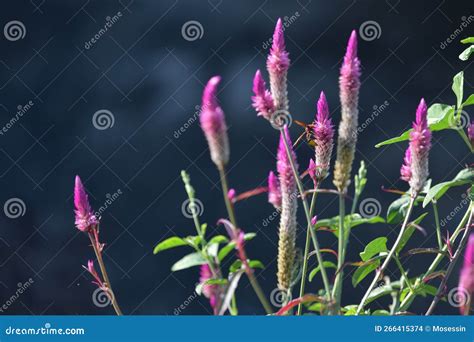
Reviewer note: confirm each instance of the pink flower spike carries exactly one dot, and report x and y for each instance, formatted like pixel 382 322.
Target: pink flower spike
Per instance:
pixel 323 138
pixel 278 63
pixel 312 170
pixel 85 218
pixel 314 220
pixel 466 279
pixel 91 269
pixel 209 291
pixel 405 170
pixel 420 144
pixel 274 191
pixel 350 75
pixel 231 195
pixel 470 134
pixel 213 124
pixel 262 101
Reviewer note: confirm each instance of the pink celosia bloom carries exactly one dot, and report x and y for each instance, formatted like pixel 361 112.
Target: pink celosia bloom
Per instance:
pixel 466 279
pixel 287 230
pixel 470 133
pixel 231 195
pixel 213 124
pixel 262 101
pixel 405 170
pixel 277 66
pixel 323 138
pixel 420 144
pixel 91 269
pixel 274 191
pixel 312 170
pixel 314 220
pixel 211 292
pixel 85 218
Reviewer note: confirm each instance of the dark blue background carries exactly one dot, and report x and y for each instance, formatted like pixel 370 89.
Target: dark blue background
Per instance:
pixel 151 79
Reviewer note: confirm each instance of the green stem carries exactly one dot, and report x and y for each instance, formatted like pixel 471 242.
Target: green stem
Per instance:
pixel 103 270
pixel 390 255
pixel 438 228
pixel 465 139
pixel 225 191
pixel 306 252
pixel 432 268
pixel 258 290
pixel 337 291
pixel 308 216
pixel 402 271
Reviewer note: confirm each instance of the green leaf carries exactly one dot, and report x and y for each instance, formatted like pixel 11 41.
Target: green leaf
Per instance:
pixel 193 240
pixel 439 118
pixel 383 290
pixel 409 232
pixel 218 239
pixel 190 260
pixel 237 265
pixel 376 246
pixel 363 271
pixel 469 101
pixel 380 312
pixel 464 56
pixel 458 87
pixel 350 221
pixel 203 229
pixel 465 176
pixel 256 264
pixel 231 245
pixel 327 264
pixel 398 209
pixel 215 281
pixel 212 249
pixel 171 242
pixel 468 40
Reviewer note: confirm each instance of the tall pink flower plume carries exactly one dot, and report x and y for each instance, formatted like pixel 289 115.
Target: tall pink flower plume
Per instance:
pixel 466 279
pixel 262 101
pixel 323 138
pixel 85 218
pixel 213 124
pixel 287 230
pixel 274 191
pixel 405 170
pixel 470 134
pixel 312 170
pixel 278 63
pixel 420 144
pixel 349 85
pixel 209 291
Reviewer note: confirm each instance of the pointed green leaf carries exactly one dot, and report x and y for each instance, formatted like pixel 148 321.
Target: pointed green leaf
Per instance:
pixel 464 56
pixel 458 87
pixel 469 101
pixel 256 264
pixel 374 248
pixel 409 232
pixel 218 239
pixel 465 176
pixel 350 221
pixel 327 264
pixel 231 245
pixel 171 242
pixel 363 271
pixel 398 209
pixel 468 40
pixel 190 260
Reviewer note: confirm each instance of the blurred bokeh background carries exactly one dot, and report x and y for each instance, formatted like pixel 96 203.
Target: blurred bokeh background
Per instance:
pixel 148 77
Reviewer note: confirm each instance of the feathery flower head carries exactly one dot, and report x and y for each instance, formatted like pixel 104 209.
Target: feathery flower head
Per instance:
pixel 405 170
pixel 274 191
pixel 209 291
pixel 420 144
pixel 323 138
pixel 213 124
pixel 85 218
pixel 262 101
pixel 278 63
pixel 466 279
pixel 349 84
pixel 287 230
pixel 470 134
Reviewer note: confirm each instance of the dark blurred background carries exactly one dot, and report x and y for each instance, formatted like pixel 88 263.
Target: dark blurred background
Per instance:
pixel 149 77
